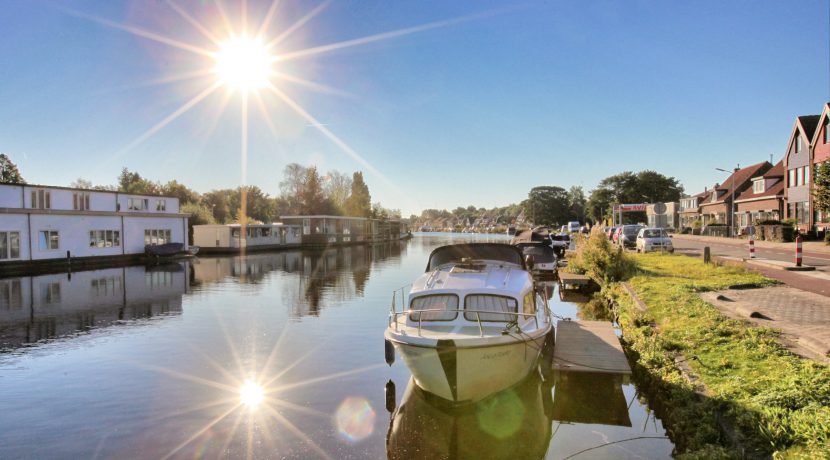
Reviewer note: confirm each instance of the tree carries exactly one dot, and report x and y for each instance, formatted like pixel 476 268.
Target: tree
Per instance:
pixel 292 183
pixel 337 188
pixel 81 183
pixel 180 191
pixel 311 198
pixel 548 205
pixel 359 203
pixel 576 203
pixel 8 171
pixel 132 182
pixel 821 191
pixel 218 201
pixel 198 214
pixel 258 206
pixel 627 187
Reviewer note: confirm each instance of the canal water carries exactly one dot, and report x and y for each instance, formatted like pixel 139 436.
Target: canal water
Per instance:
pixel 276 355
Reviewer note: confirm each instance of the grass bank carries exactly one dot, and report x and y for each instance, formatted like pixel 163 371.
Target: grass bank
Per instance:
pixel 758 395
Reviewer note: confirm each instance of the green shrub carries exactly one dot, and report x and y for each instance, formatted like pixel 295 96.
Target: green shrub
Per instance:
pixel 597 258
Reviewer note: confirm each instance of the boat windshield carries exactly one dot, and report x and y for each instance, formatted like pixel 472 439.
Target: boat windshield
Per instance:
pixel 475 251
pixel 541 253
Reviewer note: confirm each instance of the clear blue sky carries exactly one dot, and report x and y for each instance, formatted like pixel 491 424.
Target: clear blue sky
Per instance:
pixel 476 112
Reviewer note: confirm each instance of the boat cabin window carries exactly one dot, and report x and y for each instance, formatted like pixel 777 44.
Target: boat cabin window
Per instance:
pixel 437 303
pixel 530 303
pixel 481 304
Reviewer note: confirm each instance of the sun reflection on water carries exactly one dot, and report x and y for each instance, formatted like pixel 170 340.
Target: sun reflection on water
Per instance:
pixel 251 394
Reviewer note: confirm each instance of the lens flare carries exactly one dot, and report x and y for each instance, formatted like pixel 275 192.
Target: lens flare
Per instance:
pixel 355 419
pixel 243 63
pixel 251 394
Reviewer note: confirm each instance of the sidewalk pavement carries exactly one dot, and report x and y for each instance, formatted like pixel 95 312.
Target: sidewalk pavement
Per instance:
pixel 818 247
pixel 802 317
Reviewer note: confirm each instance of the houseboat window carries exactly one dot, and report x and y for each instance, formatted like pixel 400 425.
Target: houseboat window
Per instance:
pixel 235 233
pixel 138 204
pixel 41 199
pixel 483 303
pixel 161 205
pixel 434 302
pixel 11 295
pixel 49 240
pixel 9 245
pixel 105 238
pixel 154 237
pixel 80 201
pixel 530 303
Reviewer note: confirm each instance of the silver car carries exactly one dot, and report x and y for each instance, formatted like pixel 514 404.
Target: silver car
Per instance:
pixel 654 239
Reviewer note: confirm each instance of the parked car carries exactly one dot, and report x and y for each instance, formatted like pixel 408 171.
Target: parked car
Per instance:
pixel 560 243
pixel 609 232
pixel 615 237
pixel 654 239
pixel 573 226
pixel 627 237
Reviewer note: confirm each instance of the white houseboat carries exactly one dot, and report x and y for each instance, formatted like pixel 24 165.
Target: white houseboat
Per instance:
pixel 336 230
pixel 217 238
pixel 47 224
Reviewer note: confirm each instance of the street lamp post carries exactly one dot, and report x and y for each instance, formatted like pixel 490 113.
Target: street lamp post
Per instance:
pixel 731 203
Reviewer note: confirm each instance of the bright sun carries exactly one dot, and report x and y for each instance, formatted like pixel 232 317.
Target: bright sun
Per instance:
pixel 244 64
pixel 251 394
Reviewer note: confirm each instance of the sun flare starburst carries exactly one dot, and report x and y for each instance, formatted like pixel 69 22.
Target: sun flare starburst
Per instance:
pixel 251 394
pixel 244 64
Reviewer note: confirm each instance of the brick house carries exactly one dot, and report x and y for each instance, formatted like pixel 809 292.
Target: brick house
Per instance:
pixel 798 163
pixel 764 200
pixel 690 208
pixel 821 153
pixel 717 208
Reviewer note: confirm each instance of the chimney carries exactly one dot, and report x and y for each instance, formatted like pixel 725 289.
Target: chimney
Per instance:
pixel 705 189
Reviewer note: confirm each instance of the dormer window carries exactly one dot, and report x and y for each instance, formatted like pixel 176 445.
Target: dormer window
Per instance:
pixel 758 186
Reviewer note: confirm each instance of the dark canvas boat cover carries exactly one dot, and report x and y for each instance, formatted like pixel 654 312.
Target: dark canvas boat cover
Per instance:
pixel 475 251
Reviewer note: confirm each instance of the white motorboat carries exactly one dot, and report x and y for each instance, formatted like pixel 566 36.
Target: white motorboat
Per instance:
pixel 473 324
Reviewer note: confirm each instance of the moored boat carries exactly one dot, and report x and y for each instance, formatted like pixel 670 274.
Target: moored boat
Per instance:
pixel 474 323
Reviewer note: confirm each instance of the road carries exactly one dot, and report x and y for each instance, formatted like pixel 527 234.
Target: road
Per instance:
pixel 817 282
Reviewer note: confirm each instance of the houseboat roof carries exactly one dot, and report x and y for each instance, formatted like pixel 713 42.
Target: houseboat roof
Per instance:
pixel 321 216
pixel 61 187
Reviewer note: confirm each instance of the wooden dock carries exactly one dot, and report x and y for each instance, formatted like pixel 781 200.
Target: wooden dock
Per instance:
pixel 588 346
pixel 573 281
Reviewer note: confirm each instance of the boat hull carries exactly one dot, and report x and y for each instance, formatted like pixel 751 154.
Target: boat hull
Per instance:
pixel 459 373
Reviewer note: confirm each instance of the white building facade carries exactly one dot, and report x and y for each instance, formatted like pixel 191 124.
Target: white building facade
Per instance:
pixel 39 223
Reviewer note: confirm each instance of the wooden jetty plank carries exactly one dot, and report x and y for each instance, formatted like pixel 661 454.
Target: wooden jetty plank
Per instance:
pixel 588 346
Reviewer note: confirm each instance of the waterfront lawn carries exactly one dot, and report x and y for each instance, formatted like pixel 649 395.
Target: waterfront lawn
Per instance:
pixel 767 400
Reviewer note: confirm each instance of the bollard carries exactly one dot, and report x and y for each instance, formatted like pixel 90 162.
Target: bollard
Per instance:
pixel 751 247
pixel 706 255
pixel 798 251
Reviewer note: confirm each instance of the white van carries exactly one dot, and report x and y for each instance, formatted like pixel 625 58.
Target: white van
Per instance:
pixel 573 226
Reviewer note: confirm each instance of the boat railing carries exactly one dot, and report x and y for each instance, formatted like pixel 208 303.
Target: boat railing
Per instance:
pixel 393 316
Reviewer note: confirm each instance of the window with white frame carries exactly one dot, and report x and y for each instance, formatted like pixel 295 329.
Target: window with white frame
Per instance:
pixel 9 245
pixel 161 205
pixel 48 240
pixel 799 180
pixel 104 238
pixel 806 174
pixel 826 129
pixel 138 204
pixel 80 201
pixel 758 186
pixel 791 178
pixel 156 236
pixel 41 199
pixel 797 142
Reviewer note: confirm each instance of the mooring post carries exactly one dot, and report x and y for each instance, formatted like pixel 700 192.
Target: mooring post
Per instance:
pixel 707 256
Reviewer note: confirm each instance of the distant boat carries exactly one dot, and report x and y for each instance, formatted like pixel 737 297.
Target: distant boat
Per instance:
pixel 193 250
pixel 164 250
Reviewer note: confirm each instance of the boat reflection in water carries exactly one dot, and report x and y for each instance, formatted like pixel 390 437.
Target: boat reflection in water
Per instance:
pixel 512 424
pixel 37 308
